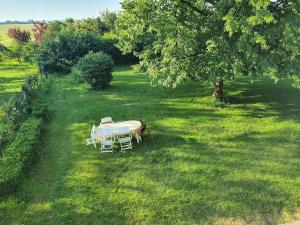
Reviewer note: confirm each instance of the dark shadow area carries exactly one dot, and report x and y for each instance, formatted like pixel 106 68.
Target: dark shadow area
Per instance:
pixel 279 99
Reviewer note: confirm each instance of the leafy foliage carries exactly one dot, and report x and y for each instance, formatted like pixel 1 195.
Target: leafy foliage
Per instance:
pixel 16 52
pixel 109 19
pixel 211 40
pixel 76 76
pixel 60 53
pixel 96 69
pixel 3 48
pixel 19 106
pixel 4 52
pixel 64 44
pixel 6 135
pixel 18 35
pixel 29 52
pixel 39 28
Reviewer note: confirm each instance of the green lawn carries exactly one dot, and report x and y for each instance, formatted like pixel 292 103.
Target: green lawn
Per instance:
pixel 197 165
pixel 12 75
pixel 4 39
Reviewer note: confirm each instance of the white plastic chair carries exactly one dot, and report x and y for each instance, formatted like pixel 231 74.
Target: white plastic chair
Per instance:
pixel 107 140
pixel 125 138
pixel 94 137
pixel 106 120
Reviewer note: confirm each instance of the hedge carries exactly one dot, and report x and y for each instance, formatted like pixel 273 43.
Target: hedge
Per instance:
pixel 19 155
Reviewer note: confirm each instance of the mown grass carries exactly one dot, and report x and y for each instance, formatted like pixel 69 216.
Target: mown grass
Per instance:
pixel 197 165
pixel 4 39
pixel 12 75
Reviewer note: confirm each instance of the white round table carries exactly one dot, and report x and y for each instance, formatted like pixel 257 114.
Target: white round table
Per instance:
pixel 134 127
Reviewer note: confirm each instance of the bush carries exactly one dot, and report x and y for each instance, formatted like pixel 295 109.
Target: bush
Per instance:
pixel 19 154
pixel 63 44
pixel 6 135
pixel 40 110
pixel 16 52
pixel 19 106
pixel 18 35
pixel 15 110
pixel 30 51
pixel 76 76
pixel 60 53
pixel 39 28
pixel 96 69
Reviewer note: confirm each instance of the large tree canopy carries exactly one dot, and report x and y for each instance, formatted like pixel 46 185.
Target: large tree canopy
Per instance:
pixel 212 40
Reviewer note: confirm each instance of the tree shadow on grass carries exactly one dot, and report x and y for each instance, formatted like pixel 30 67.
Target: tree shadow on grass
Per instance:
pixel 280 100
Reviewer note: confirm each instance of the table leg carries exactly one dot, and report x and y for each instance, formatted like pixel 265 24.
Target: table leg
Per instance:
pixel 138 138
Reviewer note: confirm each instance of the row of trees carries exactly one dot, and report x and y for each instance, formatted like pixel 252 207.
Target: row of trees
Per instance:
pixel 27 45
pixel 210 40
pixel 72 47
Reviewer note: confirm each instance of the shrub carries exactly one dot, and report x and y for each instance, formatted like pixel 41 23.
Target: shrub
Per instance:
pixel 63 44
pixel 19 106
pixel 39 28
pixel 15 110
pixel 3 48
pixel 96 69
pixel 19 154
pixel 30 51
pixel 61 53
pixel 6 135
pixel 16 52
pixel 76 76
pixel 4 52
pixel 18 35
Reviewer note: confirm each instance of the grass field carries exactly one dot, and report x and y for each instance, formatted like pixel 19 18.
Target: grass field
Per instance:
pixel 12 75
pixel 4 39
pixel 197 165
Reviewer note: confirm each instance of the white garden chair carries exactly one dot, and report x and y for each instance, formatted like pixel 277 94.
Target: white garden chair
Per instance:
pixel 107 140
pixel 94 137
pixel 106 120
pixel 125 138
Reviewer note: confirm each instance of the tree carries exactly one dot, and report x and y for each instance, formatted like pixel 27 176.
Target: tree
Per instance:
pixel 39 28
pixel 212 40
pixel 3 48
pixel 18 35
pixel 93 25
pixel 61 48
pixel 4 52
pixel 16 52
pixel 109 19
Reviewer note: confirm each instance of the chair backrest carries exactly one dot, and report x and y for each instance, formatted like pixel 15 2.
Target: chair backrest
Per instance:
pixel 106 120
pixel 124 131
pixel 93 131
pixel 97 133
pixel 106 132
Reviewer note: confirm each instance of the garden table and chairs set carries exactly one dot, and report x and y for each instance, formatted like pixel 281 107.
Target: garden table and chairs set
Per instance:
pixel 108 133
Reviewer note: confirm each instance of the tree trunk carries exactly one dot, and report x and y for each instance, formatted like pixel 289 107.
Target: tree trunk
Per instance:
pixel 218 92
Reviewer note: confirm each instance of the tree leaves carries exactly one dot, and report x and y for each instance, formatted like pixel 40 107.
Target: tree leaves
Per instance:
pixel 211 40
